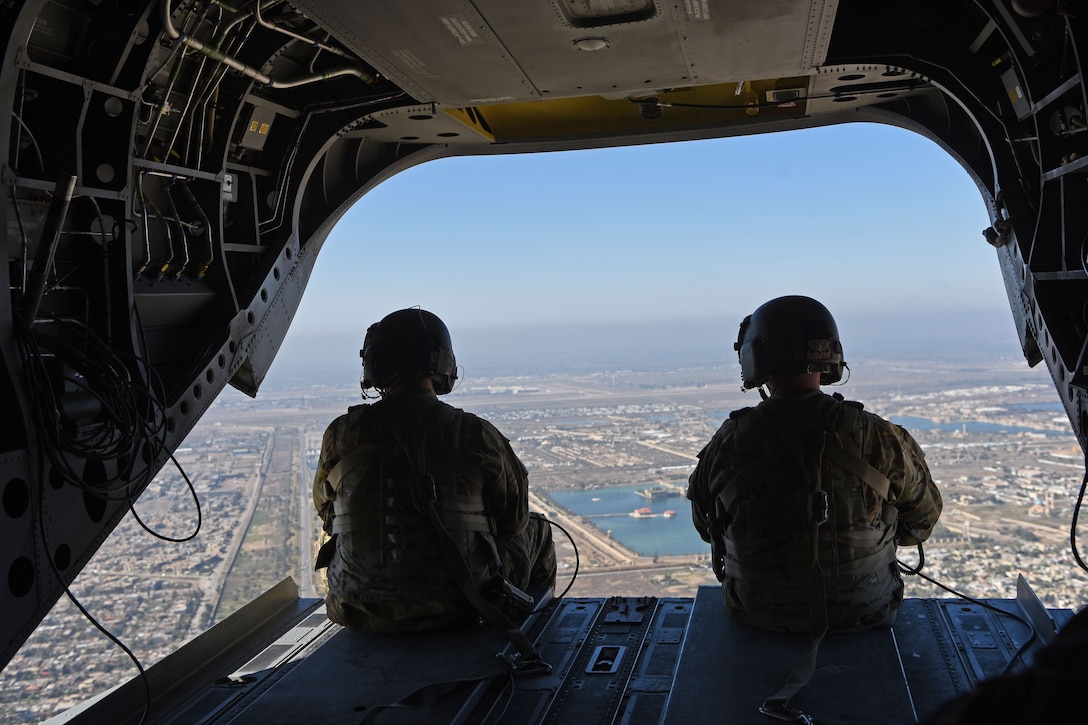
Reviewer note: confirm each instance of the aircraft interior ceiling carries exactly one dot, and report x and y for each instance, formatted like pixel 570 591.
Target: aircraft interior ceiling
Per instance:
pixel 174 166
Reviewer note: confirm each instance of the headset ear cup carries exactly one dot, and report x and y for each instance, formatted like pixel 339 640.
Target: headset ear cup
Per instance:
pixel 369 378
pixel 747 355
pixel 740 334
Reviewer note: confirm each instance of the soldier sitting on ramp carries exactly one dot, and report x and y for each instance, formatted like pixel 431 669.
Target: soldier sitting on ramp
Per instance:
pixel 805 497
pixel 426 504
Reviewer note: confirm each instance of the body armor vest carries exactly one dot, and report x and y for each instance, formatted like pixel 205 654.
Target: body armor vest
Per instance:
pixel 386 548
pixel 805 525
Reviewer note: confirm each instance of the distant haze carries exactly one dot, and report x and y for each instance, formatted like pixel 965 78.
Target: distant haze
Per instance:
pixel 329 359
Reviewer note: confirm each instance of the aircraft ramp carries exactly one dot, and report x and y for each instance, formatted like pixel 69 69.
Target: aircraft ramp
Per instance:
pixel 611 660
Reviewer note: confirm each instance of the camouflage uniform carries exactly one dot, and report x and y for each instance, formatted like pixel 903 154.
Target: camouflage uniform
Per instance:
pixel 386 572
pixel 773 551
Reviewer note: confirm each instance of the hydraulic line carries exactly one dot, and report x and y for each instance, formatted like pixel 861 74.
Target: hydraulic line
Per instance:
pixel 216 55
pixel 285 170
pixel 169 241
pixel 309 41
pixel 169 188
pixel 196 119
pixel 185 110
pixel 147 231
pixel 47 246
pixel 208 95
pixel 174 73
pixel 203 268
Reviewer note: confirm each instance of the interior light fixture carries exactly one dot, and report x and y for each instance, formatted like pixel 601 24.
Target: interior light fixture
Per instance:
pixel 591 43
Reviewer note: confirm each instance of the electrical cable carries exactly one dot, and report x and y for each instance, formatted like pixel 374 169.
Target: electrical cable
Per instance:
pixel 509 688
pixel 88 405
pixel 1076 517
pixel 573 576
pixel 159 414
pixel 196 500
pixel 97 419
pixel 82 609
pixel 118 441
pixel 124 648
pixel 917 571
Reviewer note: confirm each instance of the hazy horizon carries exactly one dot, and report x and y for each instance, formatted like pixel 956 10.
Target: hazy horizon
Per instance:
pixel 964 335
pixel 652 254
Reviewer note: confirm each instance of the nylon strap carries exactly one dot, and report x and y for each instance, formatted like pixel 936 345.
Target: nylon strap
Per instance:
pixel 871 477
pixel 426 695
pixel 777 704
pixel 413 445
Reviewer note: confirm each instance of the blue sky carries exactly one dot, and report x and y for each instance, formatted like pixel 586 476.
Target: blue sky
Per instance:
pixel 877 222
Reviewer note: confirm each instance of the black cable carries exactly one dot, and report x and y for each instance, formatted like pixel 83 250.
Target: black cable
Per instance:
pixel 917 571
pixel 113 638
pixel 508 689
pixel 153 379
pixel 906 568
pixel 1076 516
pixel 83 610
pixel 101 443
pixel 128 423
pixel 196 500
pixel 573 576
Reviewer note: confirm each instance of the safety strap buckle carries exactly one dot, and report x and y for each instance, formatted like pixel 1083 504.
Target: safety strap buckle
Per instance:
pixel 521 667
pixel 779 711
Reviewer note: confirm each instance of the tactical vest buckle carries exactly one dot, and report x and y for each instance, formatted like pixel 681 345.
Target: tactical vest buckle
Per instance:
pixel 821 507
pixel 424 492
pixel 508 598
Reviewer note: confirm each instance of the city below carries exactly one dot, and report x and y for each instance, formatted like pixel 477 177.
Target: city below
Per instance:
pixel 996 440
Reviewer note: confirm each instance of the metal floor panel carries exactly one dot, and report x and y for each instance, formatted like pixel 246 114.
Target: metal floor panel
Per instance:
pixel 621 668
pixel 938 648
pixel 606 655
pixel 673 661
pixel 352 672
pixel 728 669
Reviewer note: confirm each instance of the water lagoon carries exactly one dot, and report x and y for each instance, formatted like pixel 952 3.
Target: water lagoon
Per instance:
pixel 978 427
pixel 609 509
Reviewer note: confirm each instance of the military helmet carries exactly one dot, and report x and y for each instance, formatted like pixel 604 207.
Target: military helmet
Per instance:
pixel 788 336
pixel 408 343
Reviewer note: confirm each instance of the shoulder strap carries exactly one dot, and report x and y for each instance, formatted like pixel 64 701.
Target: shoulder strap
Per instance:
pixel 871 477
pixel 852 462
